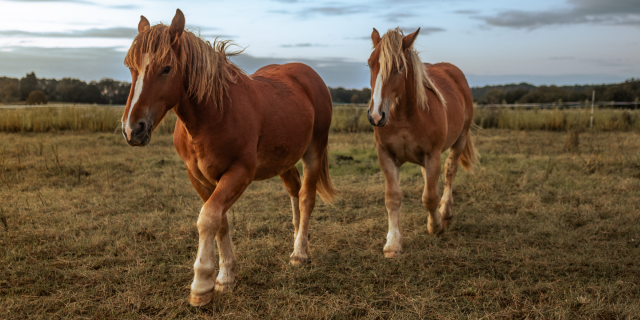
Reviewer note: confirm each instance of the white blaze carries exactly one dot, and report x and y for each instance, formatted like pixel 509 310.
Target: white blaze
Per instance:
pixel 377 96
pixel 137 90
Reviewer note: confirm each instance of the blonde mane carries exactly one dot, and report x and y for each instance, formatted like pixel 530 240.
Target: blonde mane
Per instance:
pixel 205 65
pixel 391 54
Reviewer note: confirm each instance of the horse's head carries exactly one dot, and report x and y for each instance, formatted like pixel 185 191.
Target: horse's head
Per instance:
pixel 390 64
pixel 157 79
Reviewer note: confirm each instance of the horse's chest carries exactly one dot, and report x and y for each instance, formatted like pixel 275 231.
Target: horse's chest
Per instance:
pixel 200 168
pixel 404 148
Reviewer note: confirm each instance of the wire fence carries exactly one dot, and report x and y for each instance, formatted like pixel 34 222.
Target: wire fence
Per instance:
pixel 562 105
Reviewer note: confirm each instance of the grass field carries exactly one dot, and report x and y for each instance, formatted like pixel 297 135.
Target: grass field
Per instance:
pixel 345 119
pixel 547 227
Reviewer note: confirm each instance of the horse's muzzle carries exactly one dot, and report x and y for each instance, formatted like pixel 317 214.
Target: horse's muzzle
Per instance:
pixel 381 122
pixel 140 134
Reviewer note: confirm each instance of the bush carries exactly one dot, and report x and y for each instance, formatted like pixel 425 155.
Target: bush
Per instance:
pixel 36 97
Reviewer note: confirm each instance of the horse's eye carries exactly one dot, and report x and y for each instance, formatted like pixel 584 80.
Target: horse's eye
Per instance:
pixel 166 70
pixel 399 69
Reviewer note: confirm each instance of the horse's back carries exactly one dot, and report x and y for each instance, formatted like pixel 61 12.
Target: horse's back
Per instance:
pixel 452 83
pixel 307 86
pixel 453 86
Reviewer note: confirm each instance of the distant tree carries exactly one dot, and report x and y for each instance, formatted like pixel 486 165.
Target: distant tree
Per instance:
pixel 9 92
pixel 114 92
pixel 545 94
pixel 70 90
pixel 48 86
pixel 494 96
pixel 512 96
pixel 343 95
pixel 36 97
pixel 28 84
pixel 91 94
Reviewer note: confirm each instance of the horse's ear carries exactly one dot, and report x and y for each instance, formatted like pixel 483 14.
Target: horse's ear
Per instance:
pixel 177 26
pixel 408 40
pixel 143 25
pixel 375 37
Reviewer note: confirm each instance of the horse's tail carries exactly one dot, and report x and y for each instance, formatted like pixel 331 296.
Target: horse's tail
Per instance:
pixel 325 188
pixel 470 155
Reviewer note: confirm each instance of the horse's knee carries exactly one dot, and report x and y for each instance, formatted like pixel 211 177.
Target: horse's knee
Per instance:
pixel 392 200
pixel 430 202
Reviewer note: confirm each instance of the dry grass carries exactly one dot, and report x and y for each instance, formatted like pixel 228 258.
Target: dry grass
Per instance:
pixel 92 228
pixel 345 119
pixel 557 119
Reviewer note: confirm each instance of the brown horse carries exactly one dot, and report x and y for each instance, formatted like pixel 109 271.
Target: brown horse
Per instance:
pixel 232 129
pixel 408 129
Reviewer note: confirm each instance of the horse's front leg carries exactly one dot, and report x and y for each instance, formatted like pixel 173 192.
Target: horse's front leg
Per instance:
pixel 393 203
pixel 212 224
pixel 431 172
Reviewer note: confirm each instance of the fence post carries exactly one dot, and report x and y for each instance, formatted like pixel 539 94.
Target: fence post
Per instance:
pixel 593 98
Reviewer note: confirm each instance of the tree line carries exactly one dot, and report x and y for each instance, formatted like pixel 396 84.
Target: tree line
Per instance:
pixel 33 90
pixel 627 91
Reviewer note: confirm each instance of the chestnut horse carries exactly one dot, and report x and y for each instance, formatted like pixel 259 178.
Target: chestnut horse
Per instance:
pixel 232 129
pixel 418 112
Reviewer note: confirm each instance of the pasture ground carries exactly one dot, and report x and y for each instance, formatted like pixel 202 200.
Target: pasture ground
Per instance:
pixel 544 228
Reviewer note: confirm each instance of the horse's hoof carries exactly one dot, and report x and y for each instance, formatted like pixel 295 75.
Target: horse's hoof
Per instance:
pixel 392 254
pixel 296 261
pixel 224 287
pixel 199 300
pixel 446 222
pixel 439 230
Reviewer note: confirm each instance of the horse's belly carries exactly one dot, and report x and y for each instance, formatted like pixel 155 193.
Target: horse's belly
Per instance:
pixel 279 155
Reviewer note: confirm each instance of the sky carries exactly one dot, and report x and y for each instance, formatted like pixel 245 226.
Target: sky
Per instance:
pixel 491 41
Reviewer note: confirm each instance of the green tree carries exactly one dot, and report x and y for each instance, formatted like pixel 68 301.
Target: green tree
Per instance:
pixel 36 97
pixel 27 84
pixel 10 92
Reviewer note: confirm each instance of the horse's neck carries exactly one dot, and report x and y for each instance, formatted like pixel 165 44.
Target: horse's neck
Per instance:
pixel 407 106
pixel 198 115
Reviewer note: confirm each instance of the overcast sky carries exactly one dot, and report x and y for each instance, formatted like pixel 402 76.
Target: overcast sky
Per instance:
pixel 492 41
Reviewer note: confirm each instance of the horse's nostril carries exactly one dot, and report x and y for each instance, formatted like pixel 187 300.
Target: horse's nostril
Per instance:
pixel 142 126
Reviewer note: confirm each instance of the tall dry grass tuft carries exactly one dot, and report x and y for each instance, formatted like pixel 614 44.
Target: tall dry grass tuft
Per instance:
pixel 557 119
pixel 345 119
pixel 71 118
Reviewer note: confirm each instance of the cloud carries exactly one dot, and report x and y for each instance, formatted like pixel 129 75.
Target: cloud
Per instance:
pixel 82 63
pixel 611 12
pixel 127 33
pixel 302 45
pixel 97 63
pixel 466 11
pixel 559 58
pixel 334 72
pixel 125 6
pixel 215 35
pixel 395 17
pixel 334 10
pixel 72 1
pixel 423 31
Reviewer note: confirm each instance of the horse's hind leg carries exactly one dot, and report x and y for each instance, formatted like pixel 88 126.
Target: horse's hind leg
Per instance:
pixel 291 181
pixel 311 166
pixel 450 170
pixel 431 172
